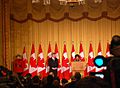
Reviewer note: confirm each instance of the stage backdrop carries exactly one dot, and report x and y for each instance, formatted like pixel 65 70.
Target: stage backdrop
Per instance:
pixel 24 34
pixel 36 23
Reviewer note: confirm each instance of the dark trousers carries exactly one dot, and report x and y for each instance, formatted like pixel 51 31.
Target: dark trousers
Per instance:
pixel 54 72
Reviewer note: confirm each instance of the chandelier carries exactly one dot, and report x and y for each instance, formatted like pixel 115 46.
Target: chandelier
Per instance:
pixel 65 2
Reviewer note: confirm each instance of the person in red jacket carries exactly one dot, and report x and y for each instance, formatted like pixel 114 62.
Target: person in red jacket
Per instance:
pixel 18 65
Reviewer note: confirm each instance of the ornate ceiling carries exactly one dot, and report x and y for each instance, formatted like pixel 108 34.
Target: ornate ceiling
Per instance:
pixel 22 10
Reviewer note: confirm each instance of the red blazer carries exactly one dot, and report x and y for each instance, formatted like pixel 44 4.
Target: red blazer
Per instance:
pixel 18 65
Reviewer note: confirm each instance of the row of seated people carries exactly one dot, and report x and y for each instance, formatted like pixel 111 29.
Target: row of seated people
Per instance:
pixel 15 81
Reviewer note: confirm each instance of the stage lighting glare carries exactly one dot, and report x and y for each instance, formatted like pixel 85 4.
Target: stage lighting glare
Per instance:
pixel 99 61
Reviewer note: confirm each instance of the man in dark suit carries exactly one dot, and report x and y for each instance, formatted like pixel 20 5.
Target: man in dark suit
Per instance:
pixel 53 64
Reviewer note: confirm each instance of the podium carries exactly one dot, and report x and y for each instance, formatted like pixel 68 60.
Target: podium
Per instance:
pixel 78 67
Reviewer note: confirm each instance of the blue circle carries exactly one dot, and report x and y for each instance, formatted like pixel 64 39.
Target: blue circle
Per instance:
pixel 99 62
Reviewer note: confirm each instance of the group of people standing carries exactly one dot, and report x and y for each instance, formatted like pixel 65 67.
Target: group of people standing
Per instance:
pixel 52 63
